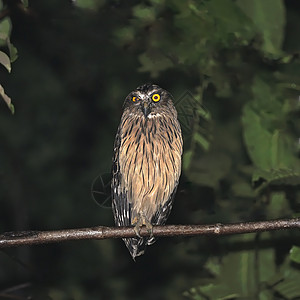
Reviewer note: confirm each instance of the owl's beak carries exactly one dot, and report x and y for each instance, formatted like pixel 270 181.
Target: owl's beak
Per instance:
pixel 146 109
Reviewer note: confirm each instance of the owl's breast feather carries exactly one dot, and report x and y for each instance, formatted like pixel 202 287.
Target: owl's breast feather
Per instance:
pixel 150 162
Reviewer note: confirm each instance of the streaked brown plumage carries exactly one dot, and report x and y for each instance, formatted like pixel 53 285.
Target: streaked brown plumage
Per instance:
pixel 146 163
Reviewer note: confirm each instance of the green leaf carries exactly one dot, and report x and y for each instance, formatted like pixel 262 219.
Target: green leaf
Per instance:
pixel 257 138
pixel 239 272
pixel 241 188
pixel 229 22
pixel 5 30
pixel 213 266
pixel 154 63
pixel 7 100
pixel 13 52
pixel 206 170
pixel 279 206
pixel 269 18
pixel 25 3
pixel 124 35
pixel 5 61
pixel 266 295
pixel 277 177
pixel 89 4
pixel 145 13
pixel 286 282
pixel 3 37
pixel 295 254
pixel 282 150
pixel 269 145
pixel 187 158
pixel 5 40
pixel 201 140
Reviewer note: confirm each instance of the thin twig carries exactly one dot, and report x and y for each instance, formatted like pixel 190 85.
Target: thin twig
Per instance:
pixel 19 238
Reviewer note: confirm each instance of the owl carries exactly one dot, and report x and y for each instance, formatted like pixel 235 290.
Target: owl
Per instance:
pixel 146 163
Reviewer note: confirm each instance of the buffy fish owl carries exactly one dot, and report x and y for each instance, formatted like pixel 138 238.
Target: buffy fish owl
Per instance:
pixel 146 163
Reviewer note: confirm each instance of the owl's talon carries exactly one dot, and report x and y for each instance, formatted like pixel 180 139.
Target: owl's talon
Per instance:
pixel 137 230
pixel 139 222
pixel 149 228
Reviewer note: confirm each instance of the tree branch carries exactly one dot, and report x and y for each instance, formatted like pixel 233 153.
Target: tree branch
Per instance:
pixel 19 238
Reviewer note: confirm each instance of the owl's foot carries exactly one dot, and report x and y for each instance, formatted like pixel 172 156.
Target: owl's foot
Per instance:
pixel 149 228
pixel 139 222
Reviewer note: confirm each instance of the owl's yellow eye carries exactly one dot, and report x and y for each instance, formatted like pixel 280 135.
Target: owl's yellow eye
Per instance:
pixel 134 99
pixel 156 97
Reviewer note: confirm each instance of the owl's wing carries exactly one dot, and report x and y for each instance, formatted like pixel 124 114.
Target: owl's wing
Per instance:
pixel 120 204
pixel 163 213
pixel 122 214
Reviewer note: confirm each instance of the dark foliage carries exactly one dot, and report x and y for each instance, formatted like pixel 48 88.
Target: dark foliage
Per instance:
pixel 233 69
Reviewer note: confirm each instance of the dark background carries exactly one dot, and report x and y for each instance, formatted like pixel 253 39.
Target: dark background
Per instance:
pixel 233 69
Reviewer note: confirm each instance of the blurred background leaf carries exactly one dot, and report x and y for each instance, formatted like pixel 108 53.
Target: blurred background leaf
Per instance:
pixel 233 69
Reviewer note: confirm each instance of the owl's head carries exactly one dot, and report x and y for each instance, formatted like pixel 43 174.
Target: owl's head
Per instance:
pixel 149 101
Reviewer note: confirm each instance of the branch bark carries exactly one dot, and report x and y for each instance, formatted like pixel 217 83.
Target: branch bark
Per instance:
pixel 19 238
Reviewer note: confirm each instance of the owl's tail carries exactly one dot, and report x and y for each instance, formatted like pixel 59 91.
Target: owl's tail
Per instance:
pixel 137 246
